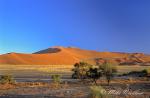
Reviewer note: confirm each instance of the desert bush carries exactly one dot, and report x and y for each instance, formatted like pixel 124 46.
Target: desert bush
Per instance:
pixel 56 78
pixel 145 72
pixel 108 71
pixel 80 69
pixel 142 73
pixel 84 70
pixel 98 92
pixel 94 74
pixel 7 79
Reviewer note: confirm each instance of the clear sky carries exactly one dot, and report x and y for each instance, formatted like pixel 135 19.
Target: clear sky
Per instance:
pixel 103 25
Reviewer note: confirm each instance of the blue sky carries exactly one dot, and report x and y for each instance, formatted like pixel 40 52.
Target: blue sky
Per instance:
pixel 102 25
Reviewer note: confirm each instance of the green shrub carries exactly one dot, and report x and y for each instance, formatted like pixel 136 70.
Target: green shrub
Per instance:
pixel 98 92
pixel 109 70
pixel 84 71
pixel 80 69
pixel 145 72
pixel 142 73
pixel 94 74
pixel 7 79
pixel 56 78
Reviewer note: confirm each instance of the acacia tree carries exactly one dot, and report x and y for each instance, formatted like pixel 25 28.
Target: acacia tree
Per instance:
pixel 108 71
pixel 94 74
pixel 84 70
pixel 80 69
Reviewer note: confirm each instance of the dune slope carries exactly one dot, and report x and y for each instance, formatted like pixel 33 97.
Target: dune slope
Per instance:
pixel 70 55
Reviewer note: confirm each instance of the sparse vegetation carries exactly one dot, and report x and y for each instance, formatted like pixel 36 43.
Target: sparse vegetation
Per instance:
pixel 94 74
pixel 142 73
pixel 98 92
pixel 71 88
pixel 84 70
pixel 56 78
pixel 108 70
pixel 7 79
pixel 80 70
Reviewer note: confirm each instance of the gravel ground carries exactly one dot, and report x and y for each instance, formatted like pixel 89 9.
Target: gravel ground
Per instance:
pixel 67 90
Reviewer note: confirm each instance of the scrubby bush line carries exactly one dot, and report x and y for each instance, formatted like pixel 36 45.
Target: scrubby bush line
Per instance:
pixel 84 70
pixel 7 79
pixel 142 73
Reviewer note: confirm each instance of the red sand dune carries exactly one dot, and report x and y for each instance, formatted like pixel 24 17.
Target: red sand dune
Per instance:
pixel 70 55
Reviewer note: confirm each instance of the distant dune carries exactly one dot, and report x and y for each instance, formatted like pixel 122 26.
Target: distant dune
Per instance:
pixel 71 55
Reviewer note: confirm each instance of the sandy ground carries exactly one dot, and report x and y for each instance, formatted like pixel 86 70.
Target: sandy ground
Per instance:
pixel 35 82
pixel 70 89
